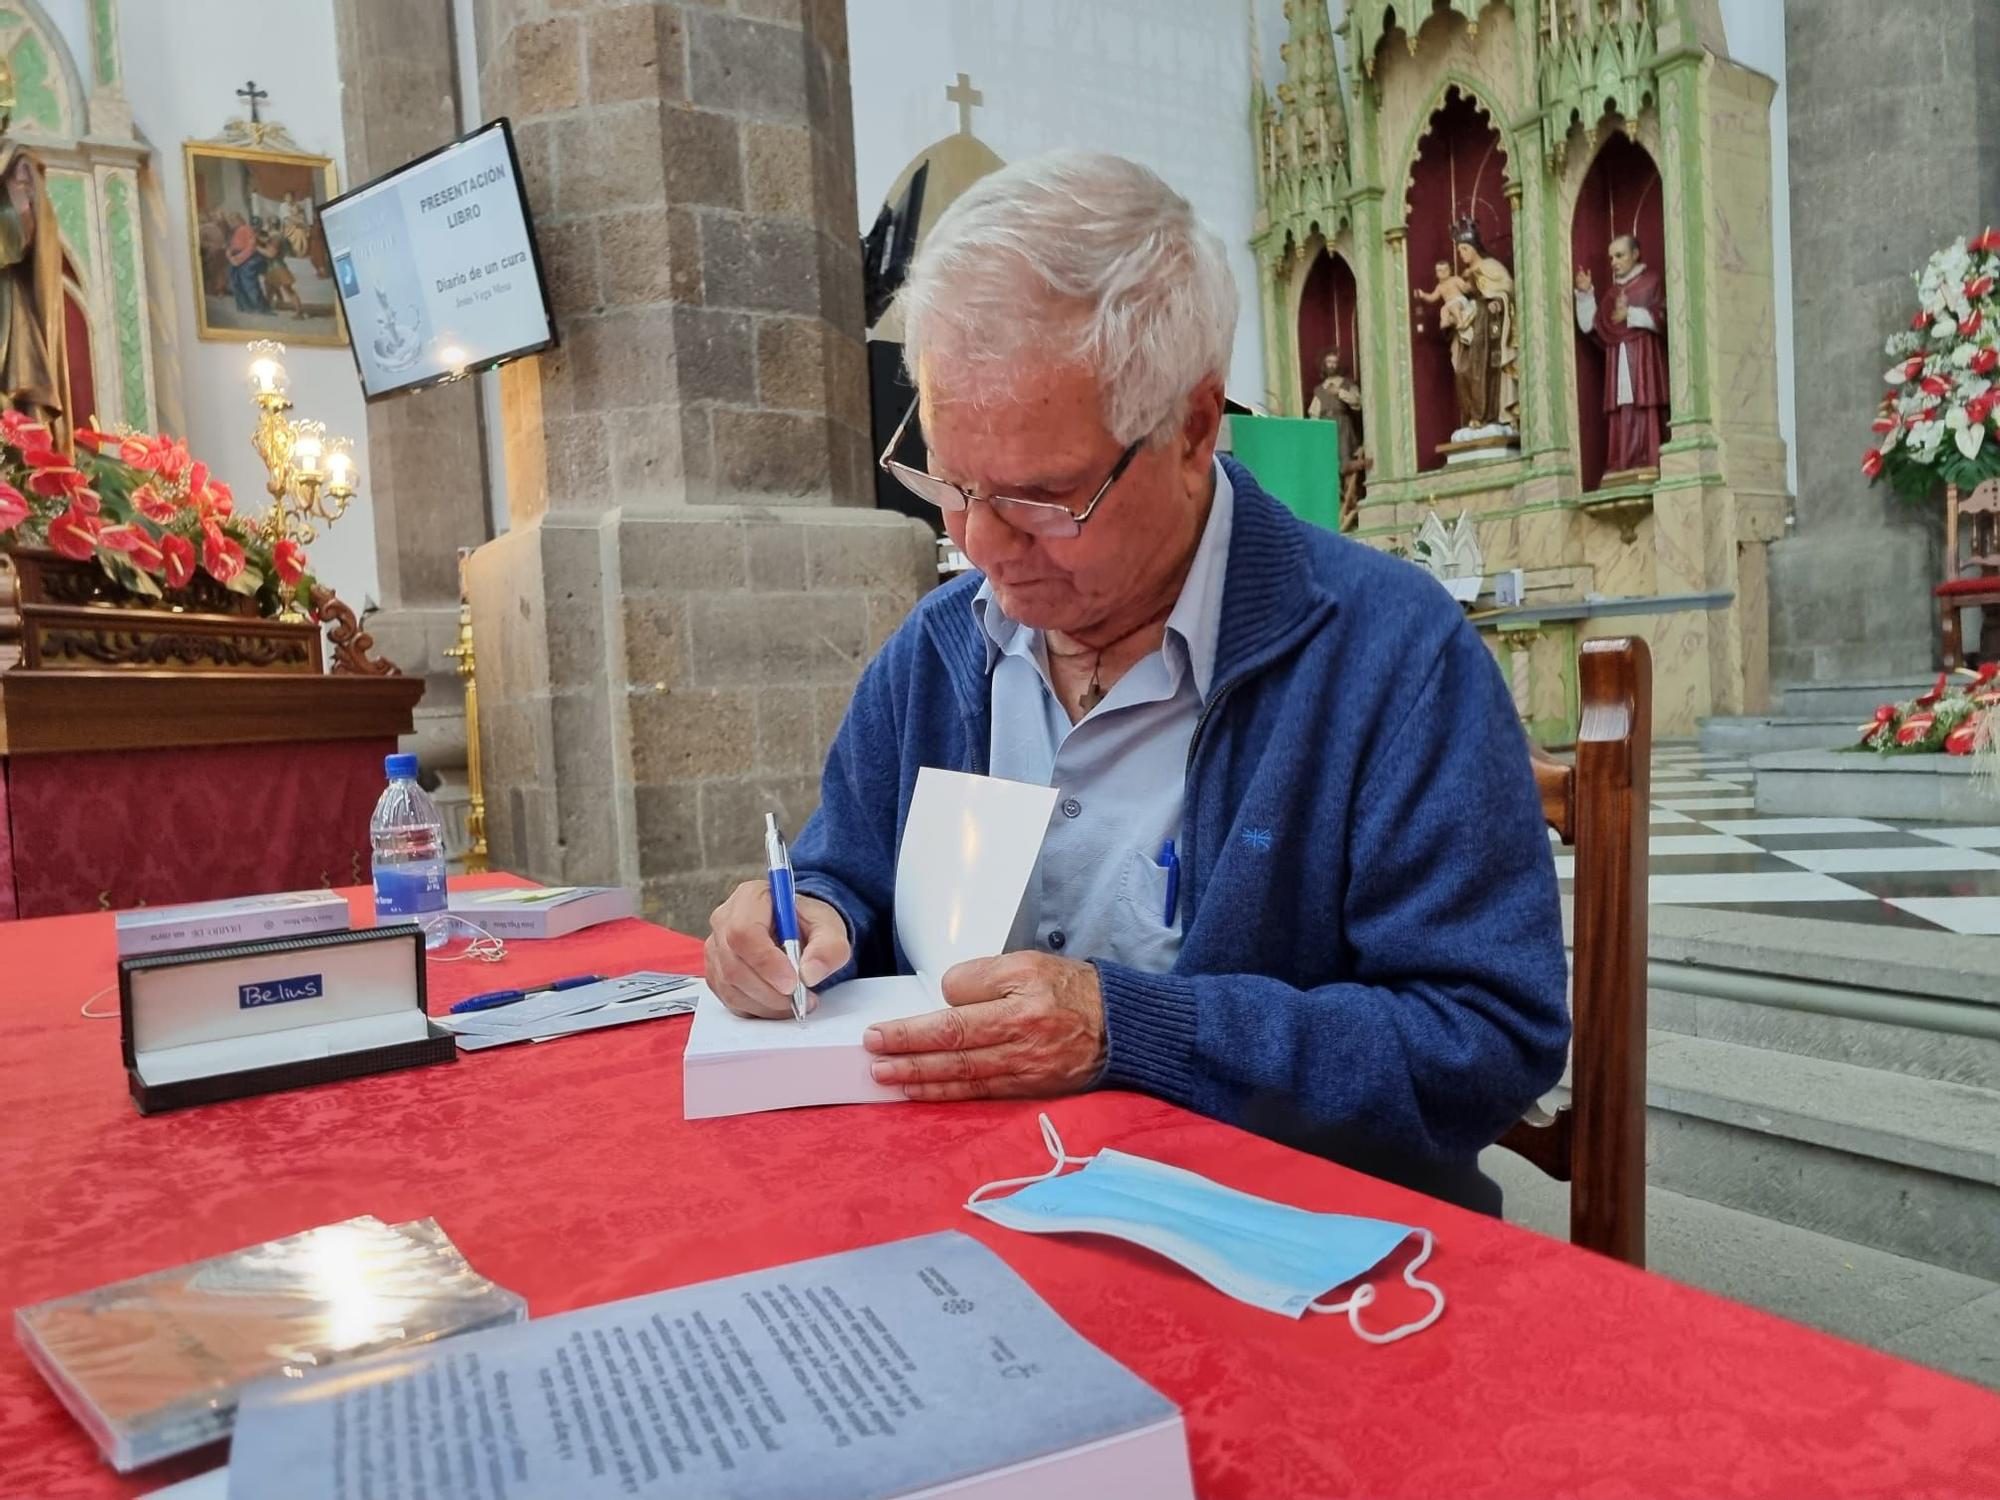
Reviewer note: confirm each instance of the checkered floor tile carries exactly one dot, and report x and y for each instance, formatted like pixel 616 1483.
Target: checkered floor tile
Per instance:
pixel 1711 849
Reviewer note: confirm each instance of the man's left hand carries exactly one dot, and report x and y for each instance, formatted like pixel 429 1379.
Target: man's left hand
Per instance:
pixel 1023 1025
pixel 1618 309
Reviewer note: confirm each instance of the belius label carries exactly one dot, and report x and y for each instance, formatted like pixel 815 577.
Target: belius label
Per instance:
pixel 279 991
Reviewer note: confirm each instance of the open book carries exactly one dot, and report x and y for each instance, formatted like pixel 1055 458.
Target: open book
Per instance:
pixel 969 845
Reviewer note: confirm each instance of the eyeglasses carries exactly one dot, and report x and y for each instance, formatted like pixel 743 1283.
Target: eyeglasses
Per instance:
pixel 1038 517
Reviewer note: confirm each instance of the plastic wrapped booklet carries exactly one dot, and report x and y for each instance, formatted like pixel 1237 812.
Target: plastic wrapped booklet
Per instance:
pixel 155 1366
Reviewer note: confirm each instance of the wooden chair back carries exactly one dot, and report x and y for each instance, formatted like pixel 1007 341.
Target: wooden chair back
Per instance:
pixel 1975 516
pixel 1597 1141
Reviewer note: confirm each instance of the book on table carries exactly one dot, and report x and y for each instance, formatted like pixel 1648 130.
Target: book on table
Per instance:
pixel 240 919
pixel 156 1365
pixel 551 911
pixel 969 847
pixel 918 1368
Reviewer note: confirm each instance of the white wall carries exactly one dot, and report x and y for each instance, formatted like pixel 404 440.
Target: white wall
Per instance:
pixel 184 60
pixel 1164 82
pixel 1755 30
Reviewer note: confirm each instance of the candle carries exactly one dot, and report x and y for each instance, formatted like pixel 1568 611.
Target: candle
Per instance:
pixel 268 375
pixel 306 454
pixel 339 471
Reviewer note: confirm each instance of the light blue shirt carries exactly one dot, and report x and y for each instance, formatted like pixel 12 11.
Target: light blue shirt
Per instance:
pixel 1098 890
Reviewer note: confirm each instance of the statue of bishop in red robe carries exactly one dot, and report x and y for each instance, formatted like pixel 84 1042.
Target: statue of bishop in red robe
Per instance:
pixel 1631 326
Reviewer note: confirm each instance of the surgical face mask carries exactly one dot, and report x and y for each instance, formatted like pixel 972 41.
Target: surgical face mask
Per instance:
pixel 1267 1254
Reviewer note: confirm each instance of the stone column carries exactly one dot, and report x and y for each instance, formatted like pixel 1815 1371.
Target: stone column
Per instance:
pixel 1851 588
pixel 426 474
pixel 670 631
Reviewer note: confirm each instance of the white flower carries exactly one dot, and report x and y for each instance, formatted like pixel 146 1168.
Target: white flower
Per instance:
pixel 1955 419
pixel 1969 438
pixel 1962 355
pixel 1889 438
pixel 1943 329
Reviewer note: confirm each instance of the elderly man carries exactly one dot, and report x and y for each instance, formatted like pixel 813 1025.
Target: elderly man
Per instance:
pixel 1365 957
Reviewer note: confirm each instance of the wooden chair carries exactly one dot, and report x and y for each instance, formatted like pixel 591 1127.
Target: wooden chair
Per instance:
pixel 1597 1142
pixel 1977 580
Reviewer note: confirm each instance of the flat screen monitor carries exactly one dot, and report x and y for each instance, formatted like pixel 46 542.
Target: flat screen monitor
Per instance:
pixel 437 266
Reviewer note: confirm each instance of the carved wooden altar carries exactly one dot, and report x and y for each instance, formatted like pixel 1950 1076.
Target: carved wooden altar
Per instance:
pixel 1554 125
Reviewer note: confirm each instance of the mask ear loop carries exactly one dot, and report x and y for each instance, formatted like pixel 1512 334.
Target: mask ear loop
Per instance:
pixel 480 944
pixel 1055 1148
pixel 1364 1295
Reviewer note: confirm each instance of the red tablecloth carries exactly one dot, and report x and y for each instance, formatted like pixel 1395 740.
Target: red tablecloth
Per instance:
pixel 565 1171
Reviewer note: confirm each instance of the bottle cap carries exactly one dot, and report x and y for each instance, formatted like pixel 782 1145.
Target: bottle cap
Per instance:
pixel 400 766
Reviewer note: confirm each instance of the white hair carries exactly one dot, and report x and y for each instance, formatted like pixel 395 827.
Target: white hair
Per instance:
pixel 1075 257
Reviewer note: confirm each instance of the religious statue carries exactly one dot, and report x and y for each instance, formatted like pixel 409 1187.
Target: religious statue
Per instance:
pixel 1631 328
pixel 1452 295
pixel 1337 399
pixel 34 342
pixel 1485 345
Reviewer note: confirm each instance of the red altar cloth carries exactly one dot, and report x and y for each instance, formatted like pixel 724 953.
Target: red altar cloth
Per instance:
pixel 87 829
pixel 565 1171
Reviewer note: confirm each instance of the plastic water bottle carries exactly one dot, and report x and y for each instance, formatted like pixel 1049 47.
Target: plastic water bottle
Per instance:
pixel 407 836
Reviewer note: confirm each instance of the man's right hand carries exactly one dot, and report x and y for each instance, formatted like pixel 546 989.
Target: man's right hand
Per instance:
pixel 1584 282
pixel 749 971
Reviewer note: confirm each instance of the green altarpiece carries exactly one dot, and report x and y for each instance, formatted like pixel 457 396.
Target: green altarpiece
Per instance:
pixel 1338 140
pixel 79 123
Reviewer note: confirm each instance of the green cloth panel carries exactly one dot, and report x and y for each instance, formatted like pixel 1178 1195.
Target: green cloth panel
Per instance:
pixel 1297 459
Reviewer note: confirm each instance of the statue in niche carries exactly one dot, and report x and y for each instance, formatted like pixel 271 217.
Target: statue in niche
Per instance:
pixel 1631 328
pixel 1337 399
pixel 34 343
pixel 1485 344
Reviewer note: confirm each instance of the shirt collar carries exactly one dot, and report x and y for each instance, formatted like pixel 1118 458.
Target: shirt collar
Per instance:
pixel 1637 270
pixel 1195 622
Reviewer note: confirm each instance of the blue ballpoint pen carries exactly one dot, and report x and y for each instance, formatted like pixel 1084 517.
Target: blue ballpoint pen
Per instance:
pixel 785 908
pixel 493 999
pixel 1170 862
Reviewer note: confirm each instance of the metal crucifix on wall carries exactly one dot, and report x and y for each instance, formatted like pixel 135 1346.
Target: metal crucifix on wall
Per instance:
pixel 254 94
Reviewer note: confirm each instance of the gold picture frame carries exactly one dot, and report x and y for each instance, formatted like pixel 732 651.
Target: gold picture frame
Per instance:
pixel 260 264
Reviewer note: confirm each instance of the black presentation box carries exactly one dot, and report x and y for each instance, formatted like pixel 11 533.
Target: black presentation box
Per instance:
pixel 208 1024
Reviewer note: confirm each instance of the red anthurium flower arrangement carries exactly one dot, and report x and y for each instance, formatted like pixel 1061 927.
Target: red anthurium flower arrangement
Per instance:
pixel 1945 380
pixel 1953 717
pixel 144 509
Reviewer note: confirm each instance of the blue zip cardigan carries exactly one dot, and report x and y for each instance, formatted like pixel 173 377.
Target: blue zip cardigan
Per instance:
pixel 1372 944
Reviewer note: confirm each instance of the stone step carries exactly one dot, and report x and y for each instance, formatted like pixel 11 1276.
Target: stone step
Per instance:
pixel 1905 1164
pixel 1937 1317
pixel 1862 784
pixel 1739 738
pixel 1885 1046
pixel 1845 700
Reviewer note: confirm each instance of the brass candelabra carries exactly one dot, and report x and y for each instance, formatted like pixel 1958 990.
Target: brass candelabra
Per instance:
pixel 312 476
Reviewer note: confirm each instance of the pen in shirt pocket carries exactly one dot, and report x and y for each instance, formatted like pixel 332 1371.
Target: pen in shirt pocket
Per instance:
pixel 1170 862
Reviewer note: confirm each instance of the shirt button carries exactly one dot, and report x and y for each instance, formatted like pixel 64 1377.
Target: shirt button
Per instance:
pixel 1057 939
pixel 1071 807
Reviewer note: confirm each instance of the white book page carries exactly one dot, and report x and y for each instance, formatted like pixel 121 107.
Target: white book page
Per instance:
pixel 969 846
pixel 845 1012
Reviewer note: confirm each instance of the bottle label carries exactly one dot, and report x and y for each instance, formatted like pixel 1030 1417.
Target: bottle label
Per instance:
pixel 409 891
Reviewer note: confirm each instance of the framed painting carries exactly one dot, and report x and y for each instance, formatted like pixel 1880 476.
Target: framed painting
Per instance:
pixel 260 264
